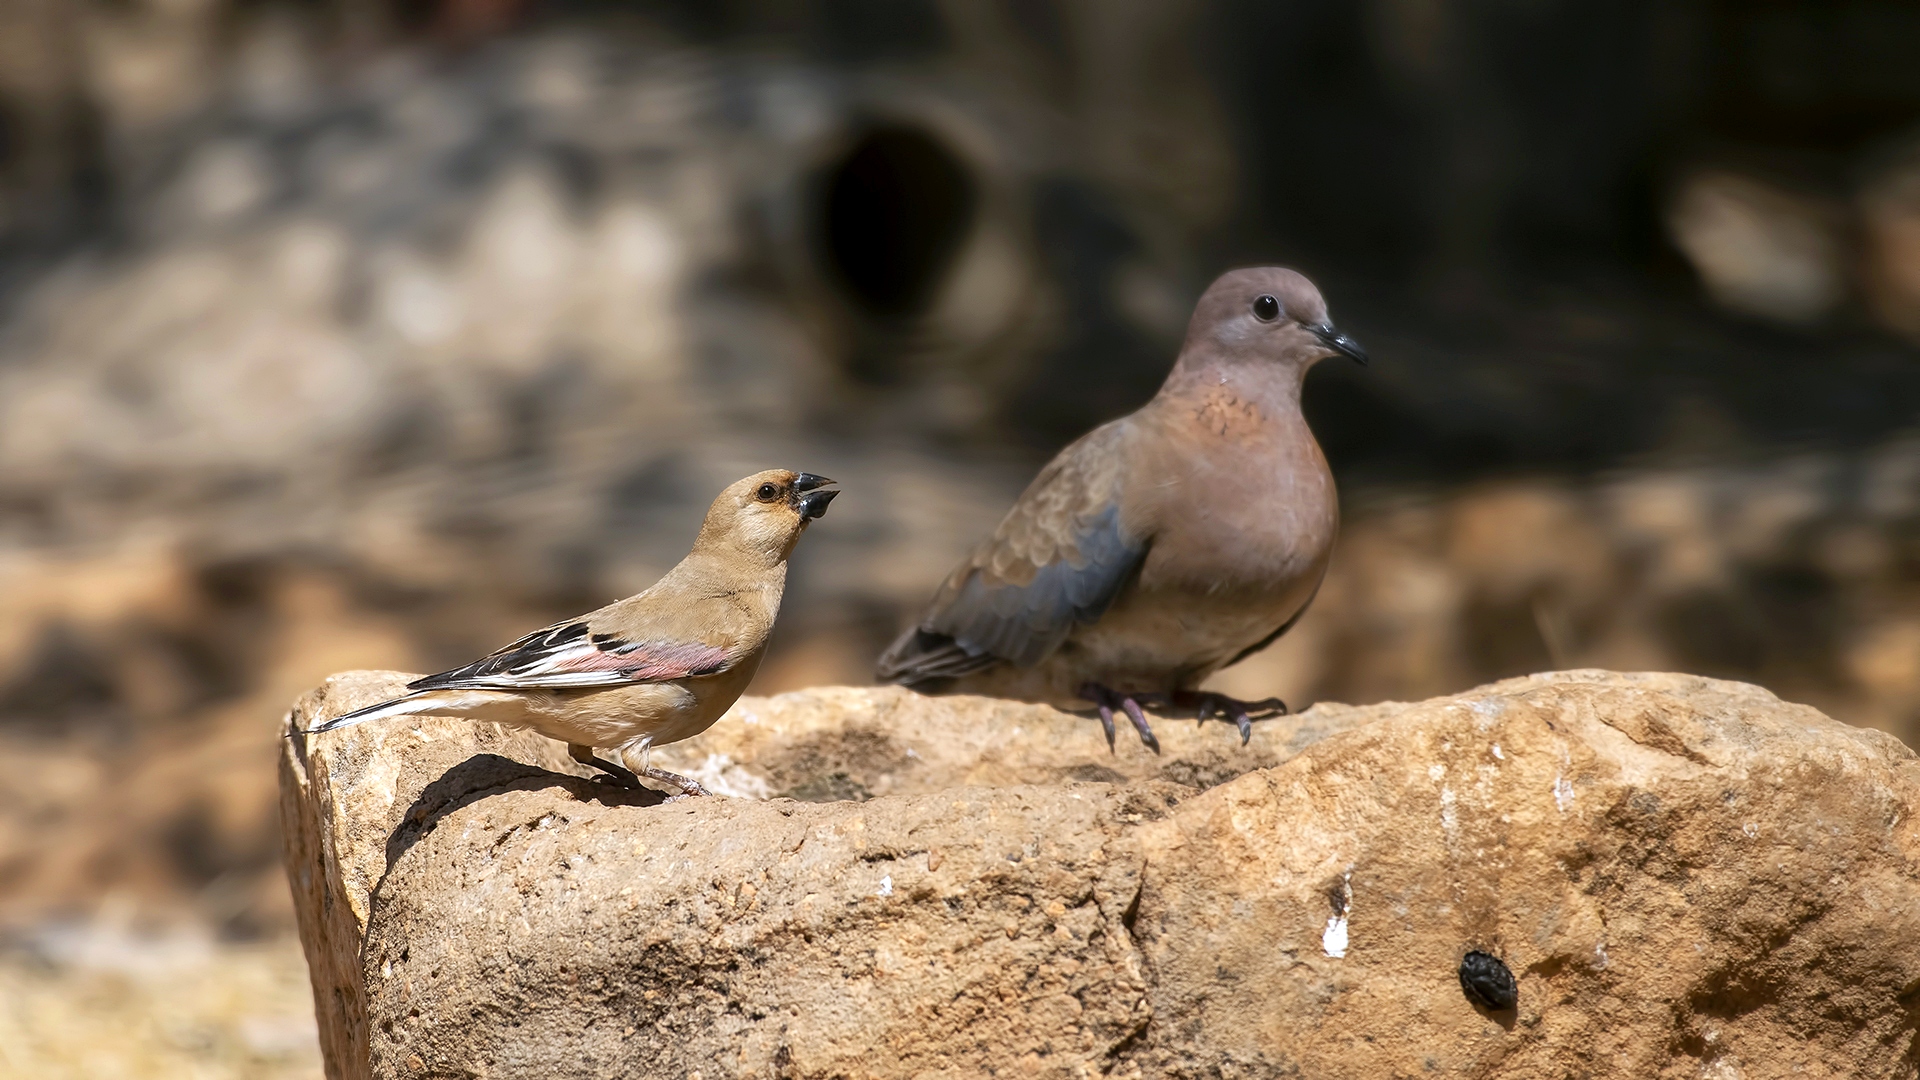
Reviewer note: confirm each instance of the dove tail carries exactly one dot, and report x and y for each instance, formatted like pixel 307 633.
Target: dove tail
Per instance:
pixel 923 659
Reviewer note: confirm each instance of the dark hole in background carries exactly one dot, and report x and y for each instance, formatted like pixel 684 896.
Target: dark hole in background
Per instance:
pixel 893 213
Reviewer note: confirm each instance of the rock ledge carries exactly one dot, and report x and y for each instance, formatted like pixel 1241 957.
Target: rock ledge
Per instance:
pixel 1687 877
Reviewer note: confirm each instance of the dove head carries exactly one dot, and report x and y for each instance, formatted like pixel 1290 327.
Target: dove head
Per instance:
pixel 1265 315
pixel 762 516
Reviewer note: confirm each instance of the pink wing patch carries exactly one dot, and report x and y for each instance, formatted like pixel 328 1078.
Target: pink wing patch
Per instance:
pixel 649 661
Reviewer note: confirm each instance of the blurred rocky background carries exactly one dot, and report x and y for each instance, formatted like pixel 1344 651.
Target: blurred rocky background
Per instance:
pixel 342 333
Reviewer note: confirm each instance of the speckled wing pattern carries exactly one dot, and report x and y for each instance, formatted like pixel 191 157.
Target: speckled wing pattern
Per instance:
pixel 569 655
pixel 1058 560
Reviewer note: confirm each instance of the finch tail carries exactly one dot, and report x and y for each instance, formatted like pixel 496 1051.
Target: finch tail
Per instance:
pixel 403 706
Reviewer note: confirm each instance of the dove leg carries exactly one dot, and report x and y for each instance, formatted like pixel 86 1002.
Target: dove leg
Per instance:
pixel 1106 700
pixel 615 774
pixel 1106 715
pixel 1208 704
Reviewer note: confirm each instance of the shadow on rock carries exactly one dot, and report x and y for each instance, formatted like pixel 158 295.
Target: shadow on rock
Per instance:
pixel 485 775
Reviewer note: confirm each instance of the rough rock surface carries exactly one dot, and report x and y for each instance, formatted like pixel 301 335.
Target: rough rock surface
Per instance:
pixel 1688 878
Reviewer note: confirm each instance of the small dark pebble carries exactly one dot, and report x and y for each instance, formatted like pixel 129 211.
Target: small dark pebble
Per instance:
pixel 1487 981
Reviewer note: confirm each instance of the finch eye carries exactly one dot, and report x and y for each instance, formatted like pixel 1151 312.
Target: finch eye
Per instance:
pixel 767 493
pixel 1266 307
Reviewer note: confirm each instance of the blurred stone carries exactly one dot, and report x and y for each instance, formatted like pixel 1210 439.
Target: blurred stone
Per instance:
pixel 222 182
pixel 95 999
pixel 127 772
pixel 1760 249
pixel 150 64
pixel 1658 858
pixel 1890 225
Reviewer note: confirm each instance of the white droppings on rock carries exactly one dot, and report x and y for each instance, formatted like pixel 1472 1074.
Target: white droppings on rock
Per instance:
pixel 1449 813
pixel 1497 753
pixel 1562 792
pixel 886 886
pixel 1333 940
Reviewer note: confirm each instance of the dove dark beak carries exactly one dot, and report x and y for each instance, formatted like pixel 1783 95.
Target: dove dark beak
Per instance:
pixel 1340 343
pixel 808 496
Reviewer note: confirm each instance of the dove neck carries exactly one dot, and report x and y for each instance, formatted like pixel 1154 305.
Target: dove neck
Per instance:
pixel 1273 386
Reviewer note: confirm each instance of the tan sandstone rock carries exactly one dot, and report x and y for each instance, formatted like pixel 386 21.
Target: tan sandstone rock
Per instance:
pixel 1688 877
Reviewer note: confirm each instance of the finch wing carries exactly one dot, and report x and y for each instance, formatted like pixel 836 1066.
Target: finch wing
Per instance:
pixel 1058 560
pixel 568 655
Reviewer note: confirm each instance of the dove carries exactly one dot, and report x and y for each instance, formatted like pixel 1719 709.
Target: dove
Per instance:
pixel 1162 546
pixel 654 668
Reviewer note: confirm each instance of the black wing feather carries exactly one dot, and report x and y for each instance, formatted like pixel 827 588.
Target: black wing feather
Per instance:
pixel 510 660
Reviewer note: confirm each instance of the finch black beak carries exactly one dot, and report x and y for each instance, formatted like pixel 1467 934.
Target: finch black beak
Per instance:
pixel 808 498
pixel 1340 343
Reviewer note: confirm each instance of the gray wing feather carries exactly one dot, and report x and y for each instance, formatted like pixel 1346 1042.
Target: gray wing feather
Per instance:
pixel 1024 624
pixel 989 622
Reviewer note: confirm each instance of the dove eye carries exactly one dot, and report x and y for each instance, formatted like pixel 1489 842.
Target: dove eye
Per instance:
pixel 1266 307
pixel 767 493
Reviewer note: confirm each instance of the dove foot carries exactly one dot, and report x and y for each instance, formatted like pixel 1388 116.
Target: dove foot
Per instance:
pixel 687 784
pixel 1208 705
pixel 615 774
pixel 1106 700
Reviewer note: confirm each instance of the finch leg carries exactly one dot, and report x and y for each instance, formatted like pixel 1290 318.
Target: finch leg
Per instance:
pixel 1104 700
pixel 687 784
pixel 584 755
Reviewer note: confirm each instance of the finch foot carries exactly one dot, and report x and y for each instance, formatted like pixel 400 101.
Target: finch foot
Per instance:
pixel 687 784
pixel 615 774
pixel 1106 701
pixel 1208 704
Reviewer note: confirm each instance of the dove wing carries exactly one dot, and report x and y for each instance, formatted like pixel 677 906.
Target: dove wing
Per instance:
pixel 1058 560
